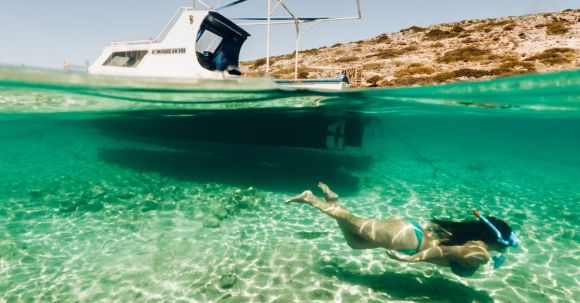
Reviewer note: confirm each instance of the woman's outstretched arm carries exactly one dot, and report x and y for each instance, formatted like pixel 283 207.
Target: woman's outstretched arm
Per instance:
pixel 471 253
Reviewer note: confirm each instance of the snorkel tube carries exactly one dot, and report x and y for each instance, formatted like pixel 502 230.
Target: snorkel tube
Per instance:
pixel 513 240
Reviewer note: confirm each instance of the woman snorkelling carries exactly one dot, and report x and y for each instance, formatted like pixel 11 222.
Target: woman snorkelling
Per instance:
pixel 462 246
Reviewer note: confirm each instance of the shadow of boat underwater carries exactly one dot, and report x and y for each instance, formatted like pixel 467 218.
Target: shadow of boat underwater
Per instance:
pixel 272 169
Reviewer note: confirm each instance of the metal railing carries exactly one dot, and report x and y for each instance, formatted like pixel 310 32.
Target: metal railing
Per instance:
pixel 297 21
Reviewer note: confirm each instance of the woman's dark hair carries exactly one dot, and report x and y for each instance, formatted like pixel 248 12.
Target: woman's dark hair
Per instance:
pixel 460 232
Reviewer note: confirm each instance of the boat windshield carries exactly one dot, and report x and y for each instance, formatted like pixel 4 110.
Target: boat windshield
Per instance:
pixel 218 44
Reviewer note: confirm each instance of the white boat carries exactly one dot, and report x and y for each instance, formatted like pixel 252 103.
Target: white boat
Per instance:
pixel 201 44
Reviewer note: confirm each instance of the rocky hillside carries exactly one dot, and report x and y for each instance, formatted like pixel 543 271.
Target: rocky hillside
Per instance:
pixel 467 50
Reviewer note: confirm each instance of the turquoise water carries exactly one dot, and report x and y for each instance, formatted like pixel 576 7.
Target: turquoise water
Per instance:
pixel 117 190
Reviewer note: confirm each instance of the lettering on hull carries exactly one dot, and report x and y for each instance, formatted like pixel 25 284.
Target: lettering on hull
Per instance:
pixel 168 51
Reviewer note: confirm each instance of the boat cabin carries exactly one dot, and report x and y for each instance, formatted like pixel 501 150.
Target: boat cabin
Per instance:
pixel 194 44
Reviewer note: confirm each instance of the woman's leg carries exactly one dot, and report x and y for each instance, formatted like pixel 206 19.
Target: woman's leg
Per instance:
pixel 352 239
pixel 359 233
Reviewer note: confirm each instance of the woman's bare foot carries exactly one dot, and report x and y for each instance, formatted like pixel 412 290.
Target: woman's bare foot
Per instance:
pixel 332 209
pixel 329 195
pixel 305 197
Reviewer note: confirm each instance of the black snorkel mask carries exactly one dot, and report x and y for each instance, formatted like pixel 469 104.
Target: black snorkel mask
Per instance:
pixel 513 240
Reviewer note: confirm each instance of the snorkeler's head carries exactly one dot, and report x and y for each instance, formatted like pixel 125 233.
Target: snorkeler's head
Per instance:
pixel 496 233
pixel 504 229
pixel 457 233
pixel 504 234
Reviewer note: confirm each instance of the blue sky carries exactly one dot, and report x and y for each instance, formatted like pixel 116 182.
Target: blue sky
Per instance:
pixel 43 33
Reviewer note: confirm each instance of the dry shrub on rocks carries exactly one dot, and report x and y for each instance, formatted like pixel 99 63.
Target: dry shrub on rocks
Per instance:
pixel 556 27
pixel 439 34
pixel 554 56
pixel 465 54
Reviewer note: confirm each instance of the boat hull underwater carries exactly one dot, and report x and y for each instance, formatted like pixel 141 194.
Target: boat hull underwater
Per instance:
pixel 250 127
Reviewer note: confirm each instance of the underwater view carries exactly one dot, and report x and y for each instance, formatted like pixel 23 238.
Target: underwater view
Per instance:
pixel 154 191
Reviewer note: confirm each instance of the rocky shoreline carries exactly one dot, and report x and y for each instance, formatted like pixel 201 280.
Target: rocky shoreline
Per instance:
pixel 443 53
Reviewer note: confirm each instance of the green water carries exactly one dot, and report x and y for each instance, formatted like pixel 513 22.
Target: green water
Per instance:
pixel 111 191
